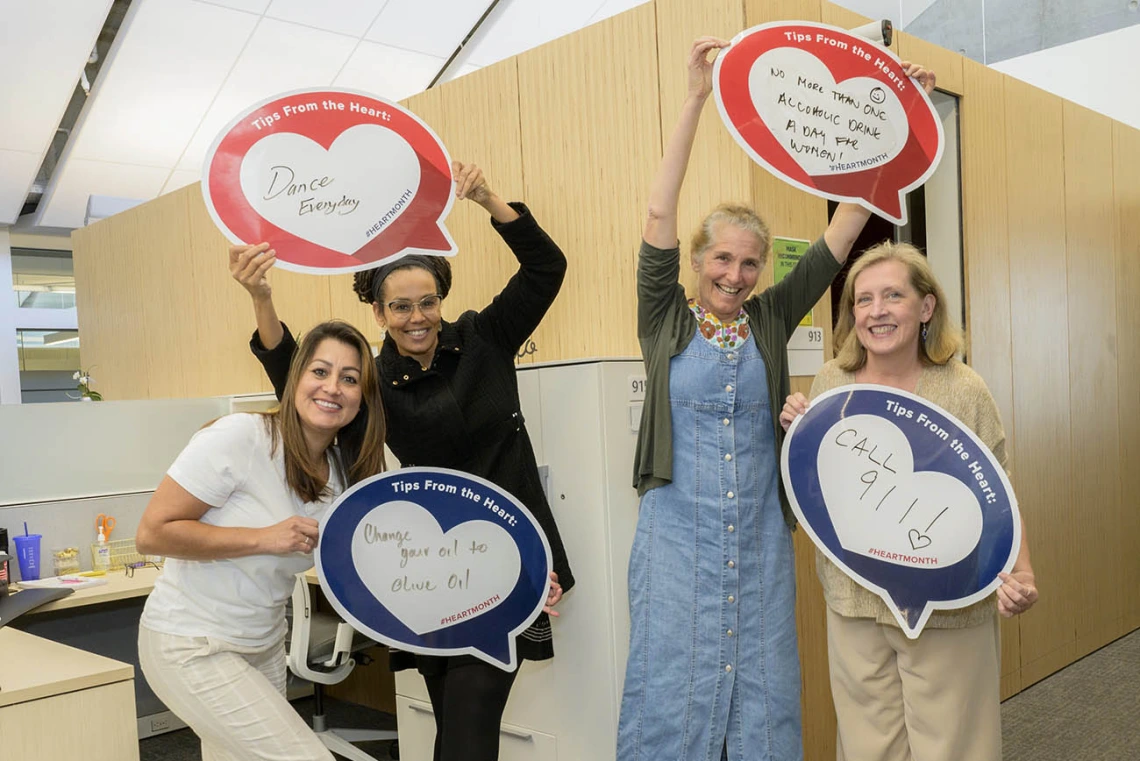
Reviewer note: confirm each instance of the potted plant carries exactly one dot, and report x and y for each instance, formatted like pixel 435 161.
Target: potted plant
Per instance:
pixel 84 387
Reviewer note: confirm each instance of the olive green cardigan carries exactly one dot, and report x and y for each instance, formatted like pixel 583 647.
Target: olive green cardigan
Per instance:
pixel 665 325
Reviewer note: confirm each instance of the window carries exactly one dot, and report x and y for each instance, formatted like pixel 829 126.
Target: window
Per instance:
pixel 43 279
pixel 48 359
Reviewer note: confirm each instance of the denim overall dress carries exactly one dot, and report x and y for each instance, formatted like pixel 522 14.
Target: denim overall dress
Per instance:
pixel 713 670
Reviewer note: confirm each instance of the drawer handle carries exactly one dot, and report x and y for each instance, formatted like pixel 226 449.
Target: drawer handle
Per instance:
pixel 525 736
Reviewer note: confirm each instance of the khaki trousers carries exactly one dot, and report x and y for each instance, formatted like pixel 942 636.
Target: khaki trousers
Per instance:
pixel 935 698
pixel 232 697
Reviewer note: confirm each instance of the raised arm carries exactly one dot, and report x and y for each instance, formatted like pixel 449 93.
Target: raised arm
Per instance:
pixel 249 265
pixel 661 223
pixel 848 221
pixel 517 310
pixel 470 183
pixel 272 344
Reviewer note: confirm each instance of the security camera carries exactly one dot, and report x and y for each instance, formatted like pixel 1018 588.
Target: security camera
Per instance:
pixel 878 32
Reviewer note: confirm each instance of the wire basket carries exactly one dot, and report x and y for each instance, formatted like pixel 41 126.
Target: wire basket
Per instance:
pixel 122 552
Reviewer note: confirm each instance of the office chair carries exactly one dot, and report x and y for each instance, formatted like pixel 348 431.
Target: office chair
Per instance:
pixel 321 651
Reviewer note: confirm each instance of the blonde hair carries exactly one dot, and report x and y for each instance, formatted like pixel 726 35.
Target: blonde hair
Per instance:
pixel 943 336
pixel 737 215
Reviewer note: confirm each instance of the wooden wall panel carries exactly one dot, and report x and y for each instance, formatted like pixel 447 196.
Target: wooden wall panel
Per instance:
pixel 477 117
pixel 1092 337
pixel 1035 198
pixel 116 354
pixel 172 371
pixel 589 151
pixel 1126 184
pixel 837 15
pixel 946 64
pixel 225 313
pixel 94 286
pixel 985 228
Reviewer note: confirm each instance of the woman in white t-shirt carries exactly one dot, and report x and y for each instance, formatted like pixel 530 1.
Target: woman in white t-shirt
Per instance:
pixel 236 516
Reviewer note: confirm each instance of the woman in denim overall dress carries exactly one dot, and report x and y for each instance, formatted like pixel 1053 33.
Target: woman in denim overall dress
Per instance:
pixel 713 669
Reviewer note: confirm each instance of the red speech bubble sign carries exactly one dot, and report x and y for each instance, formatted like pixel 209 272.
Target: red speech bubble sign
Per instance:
pixel 829 113
pixel 335 180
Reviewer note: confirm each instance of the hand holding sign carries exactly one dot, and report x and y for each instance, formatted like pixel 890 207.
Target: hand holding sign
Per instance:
pixel 903 498
pixel 436 561
pixel 830 113
pixel 336 181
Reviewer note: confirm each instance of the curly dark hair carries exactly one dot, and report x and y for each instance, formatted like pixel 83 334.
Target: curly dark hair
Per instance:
pixel 367 283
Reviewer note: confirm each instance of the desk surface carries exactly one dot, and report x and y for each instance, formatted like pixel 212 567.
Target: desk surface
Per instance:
pixel 118 587
pixel 32 668
pixel 121 587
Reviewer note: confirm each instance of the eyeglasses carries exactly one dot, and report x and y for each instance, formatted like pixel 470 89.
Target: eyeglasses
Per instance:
pixel 129 568
pixel 428 305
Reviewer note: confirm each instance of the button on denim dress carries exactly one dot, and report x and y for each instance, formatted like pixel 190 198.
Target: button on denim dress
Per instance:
pixel 713 670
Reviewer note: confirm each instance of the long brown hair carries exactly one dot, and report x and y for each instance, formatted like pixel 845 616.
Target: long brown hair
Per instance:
pixel 362 438
pixel 943 336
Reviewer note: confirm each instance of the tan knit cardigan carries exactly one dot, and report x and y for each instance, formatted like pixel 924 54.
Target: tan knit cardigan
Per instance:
pixel 959 390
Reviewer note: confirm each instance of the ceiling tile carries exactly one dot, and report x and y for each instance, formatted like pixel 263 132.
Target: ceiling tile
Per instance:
pixel 388 72
pixel 613 8
pixel 1077 72
pixel 249 6
pixel 280 57
pixel 875 9
pixel 435 27
pixel 44 46
pixel 912 9
pixel 351 17
pixel 18 170
pixel 455 72
pixel 526 24
pixel 180 179
pixel 160 81
pixel 82 178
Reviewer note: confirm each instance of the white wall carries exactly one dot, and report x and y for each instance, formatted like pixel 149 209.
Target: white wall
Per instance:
pixel 9 359
pixel 1098 73
pixel 73 450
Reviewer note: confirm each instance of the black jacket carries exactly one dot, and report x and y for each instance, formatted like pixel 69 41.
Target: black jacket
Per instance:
pixel 463 412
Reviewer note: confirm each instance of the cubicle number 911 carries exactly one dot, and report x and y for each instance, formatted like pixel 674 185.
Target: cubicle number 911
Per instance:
pixel 636 387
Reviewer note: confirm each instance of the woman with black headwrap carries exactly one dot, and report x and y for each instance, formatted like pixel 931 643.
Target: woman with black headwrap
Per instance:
pixel 451 399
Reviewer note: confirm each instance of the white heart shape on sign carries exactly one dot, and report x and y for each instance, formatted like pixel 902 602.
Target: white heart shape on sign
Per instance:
pixel 826 127
pixel 333 198
pixel 881 508
pixel 424 576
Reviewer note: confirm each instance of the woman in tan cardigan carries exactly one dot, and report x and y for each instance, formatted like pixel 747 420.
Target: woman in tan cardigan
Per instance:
pixel 934 698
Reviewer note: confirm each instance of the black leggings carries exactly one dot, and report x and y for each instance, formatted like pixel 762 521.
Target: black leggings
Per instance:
pixel 468 699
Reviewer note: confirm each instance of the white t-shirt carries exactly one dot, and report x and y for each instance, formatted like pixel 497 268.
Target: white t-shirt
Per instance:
pixel 239 600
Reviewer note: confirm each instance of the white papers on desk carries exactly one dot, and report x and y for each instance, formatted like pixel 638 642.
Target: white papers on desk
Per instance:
pixel 68 581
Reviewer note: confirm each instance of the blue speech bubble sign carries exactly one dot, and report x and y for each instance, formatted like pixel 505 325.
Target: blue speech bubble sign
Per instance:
pixel 435 561
pixel 903 497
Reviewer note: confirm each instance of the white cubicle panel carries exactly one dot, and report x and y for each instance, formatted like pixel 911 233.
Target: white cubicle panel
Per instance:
pixel 579 418
pixel 62 451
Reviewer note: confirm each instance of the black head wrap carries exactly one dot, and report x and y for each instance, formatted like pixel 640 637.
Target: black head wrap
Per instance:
pixel 368 284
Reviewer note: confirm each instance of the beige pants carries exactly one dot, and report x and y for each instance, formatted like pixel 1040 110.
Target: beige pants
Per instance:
pixel 232 697
pixel 935 698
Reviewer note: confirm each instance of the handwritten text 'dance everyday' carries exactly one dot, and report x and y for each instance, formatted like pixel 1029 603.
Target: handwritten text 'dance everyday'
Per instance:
pixel 283 183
